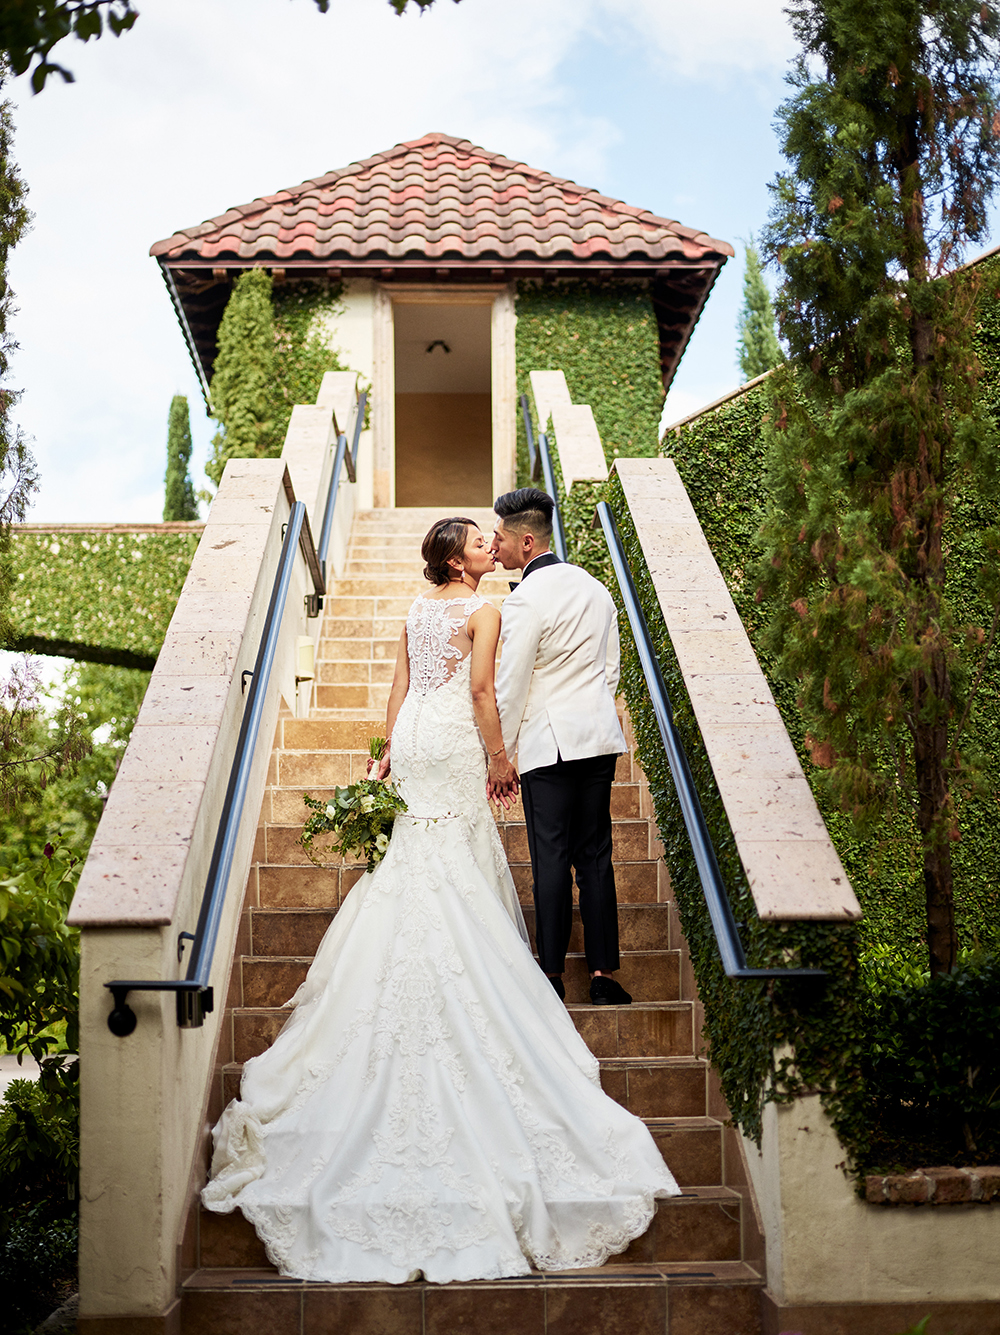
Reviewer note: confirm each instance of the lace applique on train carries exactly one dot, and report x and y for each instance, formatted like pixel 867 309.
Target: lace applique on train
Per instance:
pixel 429 1104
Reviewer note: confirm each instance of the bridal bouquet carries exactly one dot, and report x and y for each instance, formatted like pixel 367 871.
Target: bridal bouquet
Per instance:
pixel 359 817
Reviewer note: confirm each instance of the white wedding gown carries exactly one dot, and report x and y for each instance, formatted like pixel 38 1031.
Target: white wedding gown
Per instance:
pixel 429 1105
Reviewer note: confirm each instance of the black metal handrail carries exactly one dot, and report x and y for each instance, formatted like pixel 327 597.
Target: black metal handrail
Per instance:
pixel 727 936
pixel 195 996
pixel 540 457
pixel 530 434
pixel 342 456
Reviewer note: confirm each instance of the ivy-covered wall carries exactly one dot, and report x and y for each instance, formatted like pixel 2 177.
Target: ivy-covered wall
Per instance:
pixel 905 1077
pixel 98 596
pixel 747 1022
pixel 604 337
pixel 720 458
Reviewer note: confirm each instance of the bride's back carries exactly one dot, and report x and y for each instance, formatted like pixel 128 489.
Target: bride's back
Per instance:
pixel 438 643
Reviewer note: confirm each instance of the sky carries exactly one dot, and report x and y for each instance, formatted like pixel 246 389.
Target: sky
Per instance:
pixel 209 103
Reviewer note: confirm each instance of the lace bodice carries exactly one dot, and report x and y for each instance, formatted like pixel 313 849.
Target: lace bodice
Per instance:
pixel 437 639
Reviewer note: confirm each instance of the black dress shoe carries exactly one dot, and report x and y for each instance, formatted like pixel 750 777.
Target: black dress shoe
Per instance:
pixel 557 983
pixel 607 992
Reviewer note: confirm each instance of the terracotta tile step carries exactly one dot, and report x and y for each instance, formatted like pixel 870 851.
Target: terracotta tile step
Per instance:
pixel 340 701
pixel 411 585
pixel 291 930
pixel 362 649
pixel 701 1225
pixel 649 976
pixel 663 1087
pixel 303 885
pixel 630 841
pixel 650 1087
pixel 691 1146
pixel 313 770
pixel 653 1029
pixel 635 882
pixel 354 672
pixel 697 1298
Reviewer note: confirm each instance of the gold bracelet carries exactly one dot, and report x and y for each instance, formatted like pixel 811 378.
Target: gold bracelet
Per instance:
pixel 496 752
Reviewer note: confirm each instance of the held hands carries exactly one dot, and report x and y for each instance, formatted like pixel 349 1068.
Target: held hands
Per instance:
pixel 381 767
pixel 502 783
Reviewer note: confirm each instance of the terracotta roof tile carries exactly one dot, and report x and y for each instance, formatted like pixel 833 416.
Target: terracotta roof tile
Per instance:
pixel 439 196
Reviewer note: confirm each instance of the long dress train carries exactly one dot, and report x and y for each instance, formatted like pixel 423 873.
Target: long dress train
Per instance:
pixel 429 1104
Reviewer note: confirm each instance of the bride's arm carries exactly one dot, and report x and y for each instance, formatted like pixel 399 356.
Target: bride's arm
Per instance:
pixel 484 631
pixel 397 694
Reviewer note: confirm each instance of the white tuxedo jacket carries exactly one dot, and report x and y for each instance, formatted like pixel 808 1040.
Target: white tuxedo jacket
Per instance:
pixel 559 668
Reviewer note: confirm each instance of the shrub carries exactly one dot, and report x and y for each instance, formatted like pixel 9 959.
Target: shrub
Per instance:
pixel 932 1067
pixel 37 1268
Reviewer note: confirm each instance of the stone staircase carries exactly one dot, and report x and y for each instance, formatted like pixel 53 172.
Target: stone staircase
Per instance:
pixel 690 1273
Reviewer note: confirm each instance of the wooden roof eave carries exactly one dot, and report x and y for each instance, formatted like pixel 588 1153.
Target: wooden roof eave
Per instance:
pixel 199 313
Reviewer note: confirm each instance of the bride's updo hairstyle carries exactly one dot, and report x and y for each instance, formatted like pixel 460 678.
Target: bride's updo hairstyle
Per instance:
pixel 445 541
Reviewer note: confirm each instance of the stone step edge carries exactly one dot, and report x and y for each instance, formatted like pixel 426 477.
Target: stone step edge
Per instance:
pixel 570 955
pixel 723 1274
pixel 606 1063
pixel 584 1007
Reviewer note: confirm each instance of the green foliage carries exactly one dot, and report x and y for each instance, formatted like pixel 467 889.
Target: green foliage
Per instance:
pixel 244 377
pixel 39 1151
pixel 102 704
pixel 398 5
pixel 29 29
pixel 604 336
pixel 178 491
pixel 37 1268
pixel 585 545
pixel 303 354
pixel 758 348
pixel 271 356
pixel 747 1023
pixel 359 816
pixel 78 593
pixel 879 455
pixel 35 750
pixel 39 953
pixel 720 457
pixel 18 477
pixel 933 1066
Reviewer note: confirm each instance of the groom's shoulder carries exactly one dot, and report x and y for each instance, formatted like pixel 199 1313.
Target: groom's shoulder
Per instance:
pixel 557 581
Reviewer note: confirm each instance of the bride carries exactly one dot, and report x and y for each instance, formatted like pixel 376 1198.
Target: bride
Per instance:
pixel 429 1106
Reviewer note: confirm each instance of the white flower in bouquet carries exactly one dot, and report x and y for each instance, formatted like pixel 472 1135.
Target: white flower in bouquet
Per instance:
pixel 359 819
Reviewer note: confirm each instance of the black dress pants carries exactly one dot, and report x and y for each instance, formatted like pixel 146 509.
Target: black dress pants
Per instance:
pixel 567 809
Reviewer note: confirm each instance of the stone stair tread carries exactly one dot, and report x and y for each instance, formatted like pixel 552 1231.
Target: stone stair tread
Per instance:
pixel 726 1272
pixel 699 1230
pixel 683 1063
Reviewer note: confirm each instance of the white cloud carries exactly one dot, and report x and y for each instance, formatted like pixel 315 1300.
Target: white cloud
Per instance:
pixel 709 40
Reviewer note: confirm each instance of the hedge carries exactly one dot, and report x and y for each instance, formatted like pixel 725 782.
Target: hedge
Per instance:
pixel 101 596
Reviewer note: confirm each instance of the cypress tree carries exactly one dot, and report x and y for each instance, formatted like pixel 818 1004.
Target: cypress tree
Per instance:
pixel 880 458
pixel 178 498
pixel 759 350
pixel 18 474
pixel 243 391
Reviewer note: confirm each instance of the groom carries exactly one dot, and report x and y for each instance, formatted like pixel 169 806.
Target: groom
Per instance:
pixel 556 696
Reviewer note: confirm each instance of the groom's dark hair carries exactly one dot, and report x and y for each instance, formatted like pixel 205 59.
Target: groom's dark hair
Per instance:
pixel 526 510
